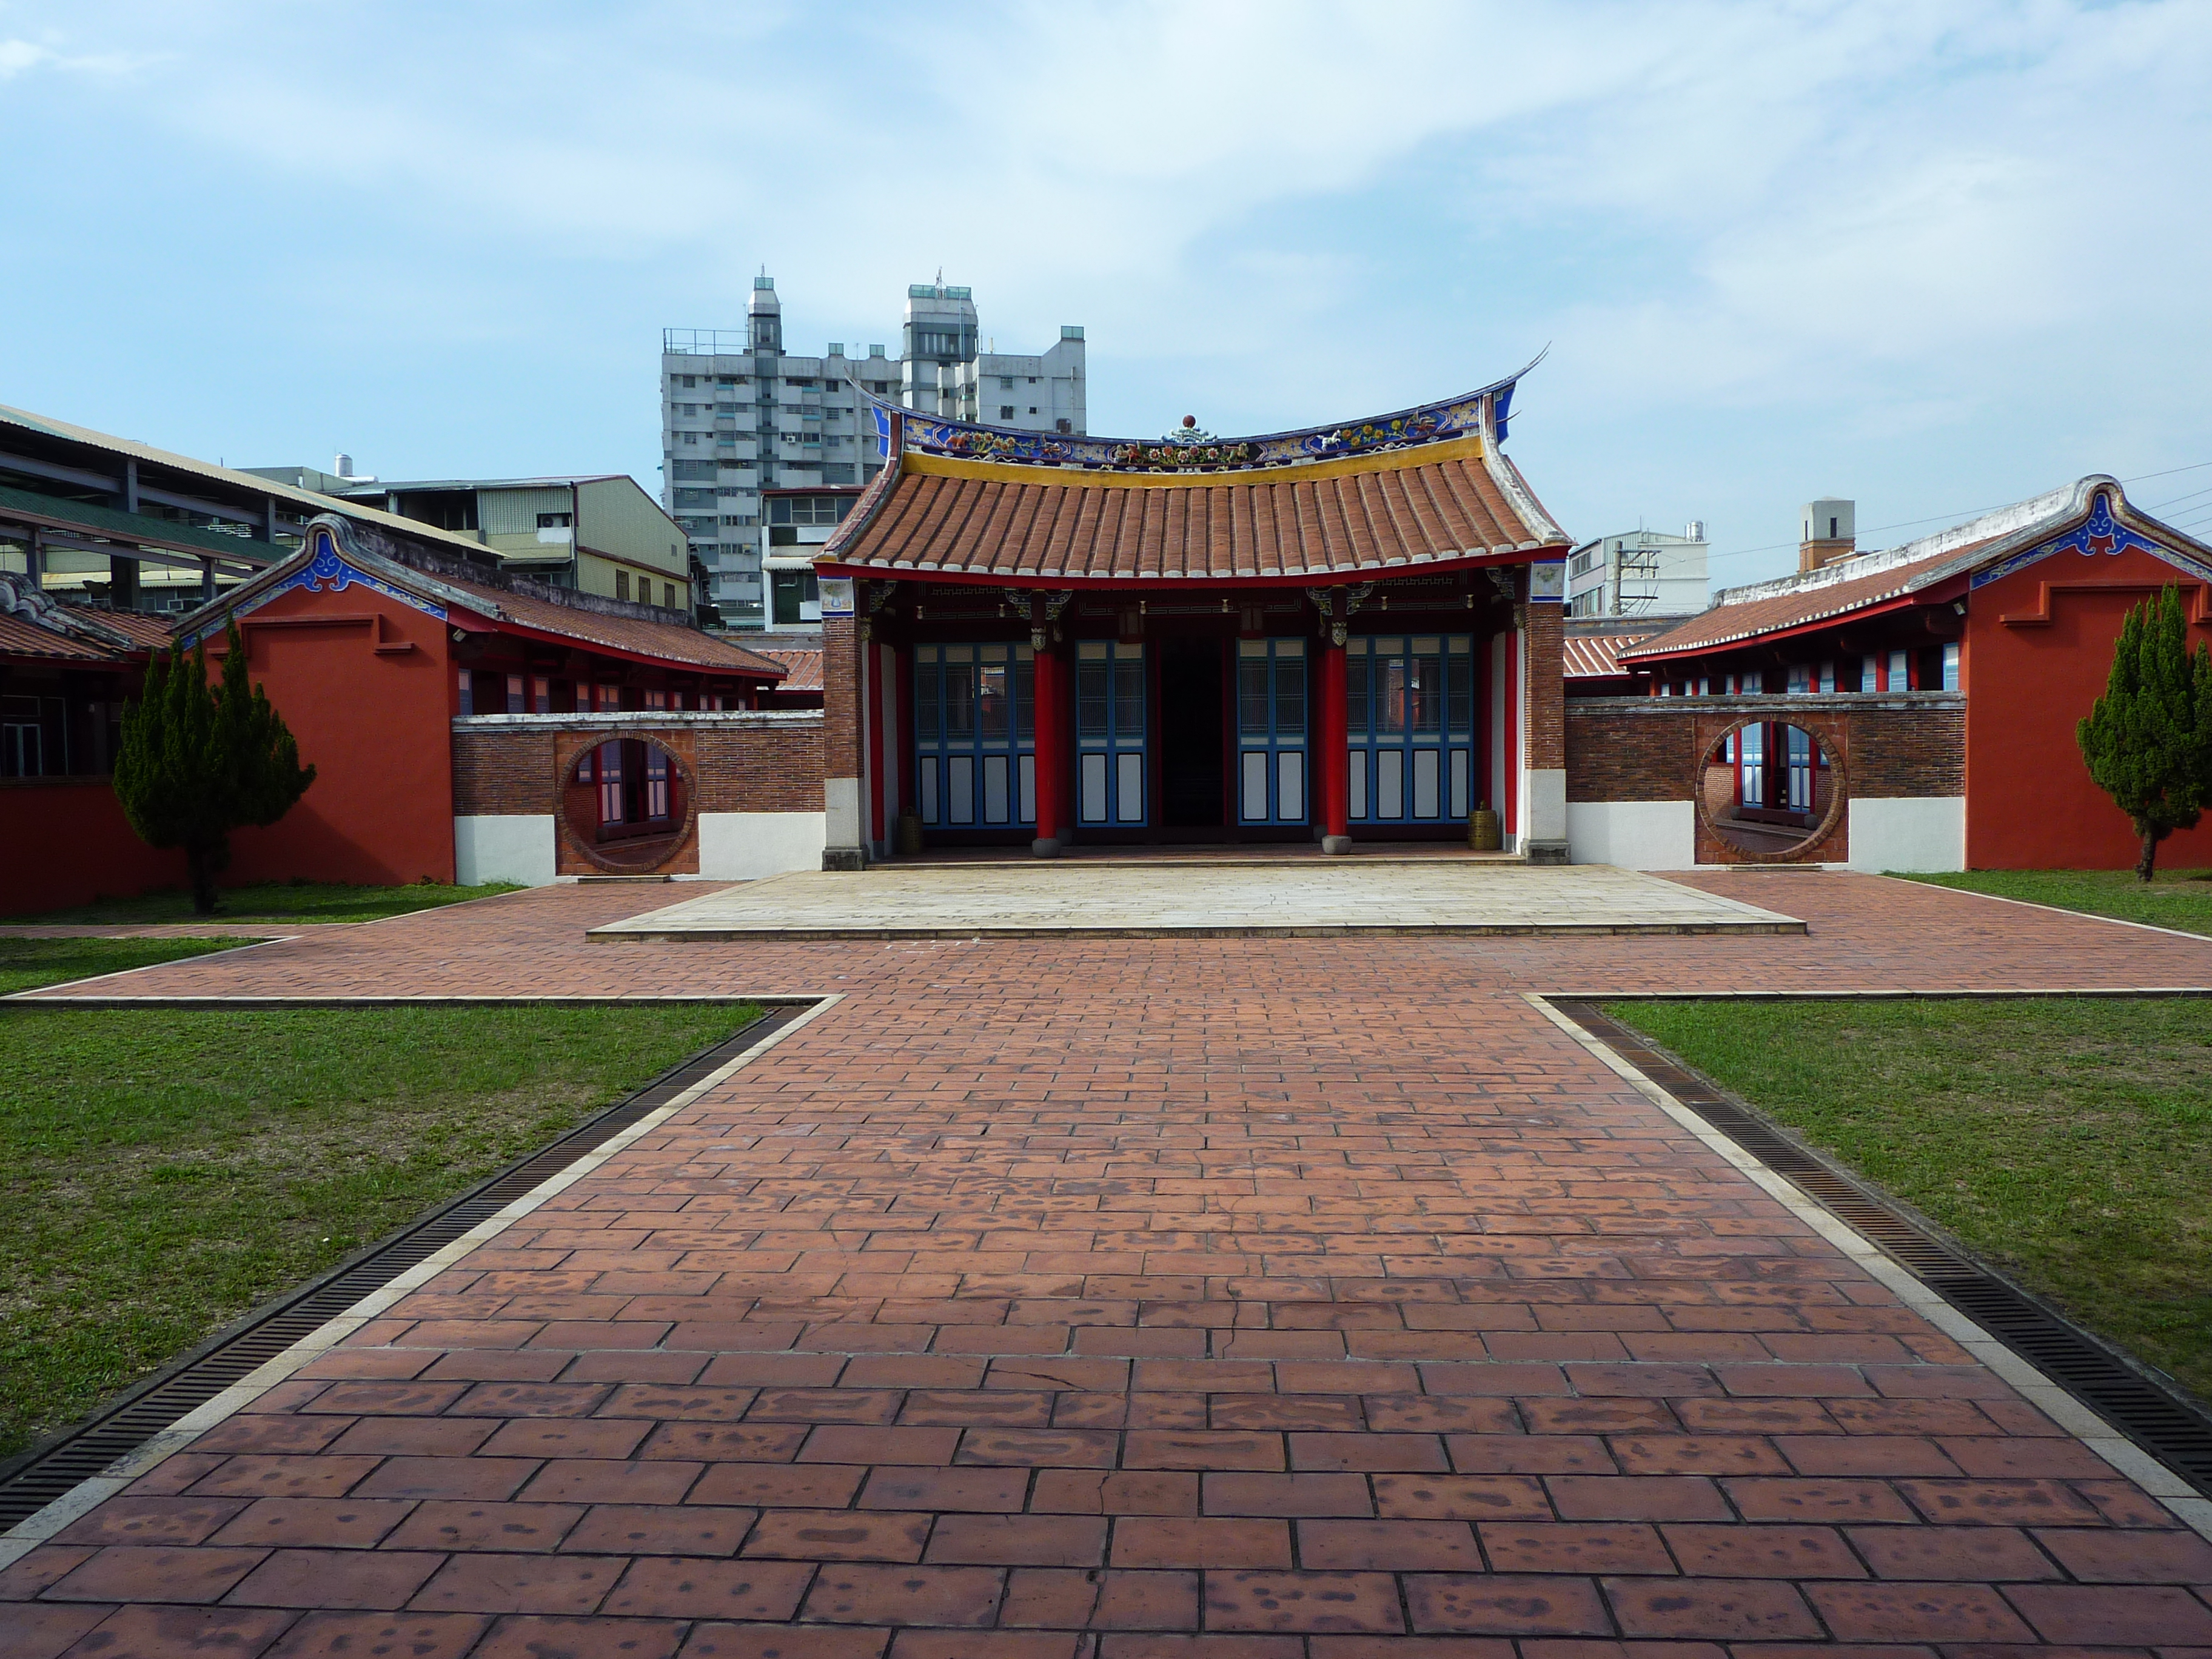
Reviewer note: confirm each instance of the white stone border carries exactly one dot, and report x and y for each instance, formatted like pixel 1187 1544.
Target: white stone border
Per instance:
pixel 2055 1402
pixel 26 1534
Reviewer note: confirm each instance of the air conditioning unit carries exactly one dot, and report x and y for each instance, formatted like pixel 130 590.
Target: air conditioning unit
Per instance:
pixel 176 604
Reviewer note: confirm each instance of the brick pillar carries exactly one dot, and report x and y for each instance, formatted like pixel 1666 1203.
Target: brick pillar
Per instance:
pixel 843 737
pixel 1334 736
pixel 1051 755
pixel 1543 705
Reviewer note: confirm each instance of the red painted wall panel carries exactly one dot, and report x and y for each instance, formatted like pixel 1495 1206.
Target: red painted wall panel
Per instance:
pixel 65 841
pixel 374 717
pixel 2030 803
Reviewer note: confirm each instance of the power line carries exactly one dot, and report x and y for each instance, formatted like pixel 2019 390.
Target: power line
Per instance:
pixel 1960 518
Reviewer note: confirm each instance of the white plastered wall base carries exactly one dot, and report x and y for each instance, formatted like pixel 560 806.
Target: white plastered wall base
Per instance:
pixel 1633 835
pixel 746 846
pixel 1908 835
pixel 509 846
pixel 1543 809
pixel 841 800
pixel 2053 1402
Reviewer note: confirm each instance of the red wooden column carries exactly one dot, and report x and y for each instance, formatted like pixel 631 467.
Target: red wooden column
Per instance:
pixel 1051 754
pixel 1335 733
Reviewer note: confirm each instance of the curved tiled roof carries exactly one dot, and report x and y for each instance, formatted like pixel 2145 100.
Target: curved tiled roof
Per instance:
pixel 804 669
pixel 636 631
pixel 1596 656
pixel 667 641
pixel 1728 623
pixel 1355 516
pixel 19 638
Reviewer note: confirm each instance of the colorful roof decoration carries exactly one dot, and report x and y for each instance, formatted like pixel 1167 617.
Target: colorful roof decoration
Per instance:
pixel 1425 488
pixel 341 553
pixel 2089 517
pixel 1471 414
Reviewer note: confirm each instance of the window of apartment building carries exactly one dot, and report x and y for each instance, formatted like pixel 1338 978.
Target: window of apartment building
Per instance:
pixel 668 596
pixel 1005 383
pixel 554 520
pixel 1032 409
pixel 837 472
pixel 808 509
pixel 1033 379
pixel 622 584
pixel 689 437
pixel 687 381
pixel 790 381
pixel 1005 411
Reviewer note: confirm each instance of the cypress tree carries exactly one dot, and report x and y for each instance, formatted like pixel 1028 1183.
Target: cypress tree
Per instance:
pixel 196 763
pixel 2147 741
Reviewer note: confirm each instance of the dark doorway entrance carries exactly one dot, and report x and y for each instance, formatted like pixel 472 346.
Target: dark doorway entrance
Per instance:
pixel 1190 734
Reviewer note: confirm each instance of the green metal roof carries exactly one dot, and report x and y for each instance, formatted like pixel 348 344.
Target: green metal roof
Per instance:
pixel 116 524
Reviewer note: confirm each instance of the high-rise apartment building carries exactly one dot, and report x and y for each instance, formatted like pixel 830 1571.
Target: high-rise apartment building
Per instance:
pixel 740 415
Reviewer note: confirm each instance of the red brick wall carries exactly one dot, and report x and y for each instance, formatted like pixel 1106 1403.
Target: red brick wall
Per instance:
pixel 841 698
pixel 740 762
pixel 1547 696
pixel 1646 749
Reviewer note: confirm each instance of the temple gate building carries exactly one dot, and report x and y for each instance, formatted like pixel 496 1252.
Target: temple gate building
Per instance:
pixel 1344 633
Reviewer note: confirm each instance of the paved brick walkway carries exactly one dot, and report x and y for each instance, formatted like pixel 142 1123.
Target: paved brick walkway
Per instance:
pixel 1213 1298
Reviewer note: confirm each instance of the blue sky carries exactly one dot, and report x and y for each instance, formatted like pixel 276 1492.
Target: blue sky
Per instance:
pixel 1936 257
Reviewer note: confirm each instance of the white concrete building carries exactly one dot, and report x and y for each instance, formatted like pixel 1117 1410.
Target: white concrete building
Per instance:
pixel 1640 573
pixel 740 415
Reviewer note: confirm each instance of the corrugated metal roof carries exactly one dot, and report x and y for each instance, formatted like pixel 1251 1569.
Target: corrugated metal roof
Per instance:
pixel 135 527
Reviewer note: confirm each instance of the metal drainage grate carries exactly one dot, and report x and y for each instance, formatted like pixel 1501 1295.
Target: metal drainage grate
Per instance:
pixel 2157 1417
pixel 35 1479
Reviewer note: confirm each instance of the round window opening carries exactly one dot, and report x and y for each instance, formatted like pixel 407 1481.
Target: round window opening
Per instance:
pixel 627 803
pixel 1768 789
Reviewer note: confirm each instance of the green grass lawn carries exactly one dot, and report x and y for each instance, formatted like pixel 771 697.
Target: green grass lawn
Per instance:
pixel 162 1172
pixel 271 901
pixel 2173 898
pixel 2067 1140
pixel 25 962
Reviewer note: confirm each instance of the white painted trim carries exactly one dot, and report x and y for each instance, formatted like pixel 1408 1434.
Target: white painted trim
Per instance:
pixel 748 846
pixel 87 1495
pixel 1633 835
pixel 2055 1402
pixel 516 847
pixel 1902 834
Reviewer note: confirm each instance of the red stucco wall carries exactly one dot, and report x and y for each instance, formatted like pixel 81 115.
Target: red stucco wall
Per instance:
pixel 65 841
pixel 367 686
pixel 2030 803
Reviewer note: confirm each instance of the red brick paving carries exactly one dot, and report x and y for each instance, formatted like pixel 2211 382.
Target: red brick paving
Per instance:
pixel 1215 1298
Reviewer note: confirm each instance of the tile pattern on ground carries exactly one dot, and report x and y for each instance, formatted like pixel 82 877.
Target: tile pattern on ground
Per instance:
pixel 1229 1299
